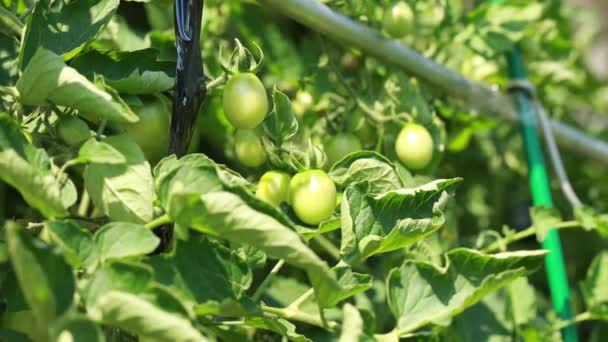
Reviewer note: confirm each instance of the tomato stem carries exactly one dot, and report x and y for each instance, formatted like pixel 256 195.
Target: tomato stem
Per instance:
pixel 158 222
pixel 501 244
pixel 260 290
pixel 300 316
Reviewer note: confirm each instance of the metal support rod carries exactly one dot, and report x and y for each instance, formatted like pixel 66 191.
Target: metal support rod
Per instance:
pixel 474 95
pixel 541 196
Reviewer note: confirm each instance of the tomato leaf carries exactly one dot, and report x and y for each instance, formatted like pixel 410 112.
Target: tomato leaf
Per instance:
pixel 78 327
pixel 64 28
pixel 278 325
pixel 595 287
pixel 28 170
pixel 392 220
pixel 201 270
pixel 366 167
pixel 124 192
pixel 129 72
pixel 543 220
pixel 118 240
pixel 139 316
pixel 352 326
pixel 45 278
pixel 131 277
pixel 76 242
pixel 281 124
pixel 420 293
pixel 47 79
pixel 93 151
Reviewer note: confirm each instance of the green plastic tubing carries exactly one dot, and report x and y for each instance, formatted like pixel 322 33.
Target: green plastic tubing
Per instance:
pixel 541 196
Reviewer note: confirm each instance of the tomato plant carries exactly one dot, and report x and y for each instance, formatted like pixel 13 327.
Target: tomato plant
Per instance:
pixel 338 186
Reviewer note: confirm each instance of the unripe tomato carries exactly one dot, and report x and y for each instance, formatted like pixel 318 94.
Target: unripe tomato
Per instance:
pixel 414 146
pixel 273 188
pixel 398 19
pixel 248 148
pixel 340 145
pixel 73 130
pixel 301 103
pixel 151 132
pixel 312 195
pixel 245 101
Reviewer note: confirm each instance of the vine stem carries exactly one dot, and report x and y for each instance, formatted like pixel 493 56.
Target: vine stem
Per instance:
pixel 583 316
pixel 11 21
pixel 260 290
pixel 502 243
pixel 300 300
pixel 217 82
pixel 83 206
pixel 158 222
pixel 300 316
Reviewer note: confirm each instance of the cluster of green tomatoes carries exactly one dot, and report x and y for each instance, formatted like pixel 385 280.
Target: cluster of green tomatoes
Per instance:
pixel 311 193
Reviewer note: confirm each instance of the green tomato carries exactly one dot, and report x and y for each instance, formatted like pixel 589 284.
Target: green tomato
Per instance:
pixel 414 146
pixel 245 101
pixel 248 148
pixel 151 132
pixel 273 188
pixel 398 19
pixel 312 195
pixel 340 145
pixel 73 130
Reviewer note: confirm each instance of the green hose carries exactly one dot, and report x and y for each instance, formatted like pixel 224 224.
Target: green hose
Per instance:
pixel 541 196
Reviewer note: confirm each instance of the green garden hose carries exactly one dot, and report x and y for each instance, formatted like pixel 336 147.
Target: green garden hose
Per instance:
pixel 541 196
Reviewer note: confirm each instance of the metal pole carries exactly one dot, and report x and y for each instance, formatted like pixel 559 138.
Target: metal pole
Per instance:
pixel 474 95
pixel 541 196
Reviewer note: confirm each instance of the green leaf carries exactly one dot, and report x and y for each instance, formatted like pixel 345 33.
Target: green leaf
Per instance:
pixel 352 326
pixel 352 283
pixel 28 170
pixel 129 72
pixel 13 336
pixel 138 316
pixel 590 219
pixel 281 124
pixel 495 27
pixel 93 151
pixel 64 28
pixel 45 278
pixel 76 242
pixel 131 277
pixel 523 301
pixel 420 293
pixel 123 192
pixel 488 320
pixel 544 219
pixel 118 240
pixel 595 287
pixel 77 328
pixel 201 270
pixel 47 79
pixel 392 220
pixel 278 325
pixel 227 216
pixel 366 167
